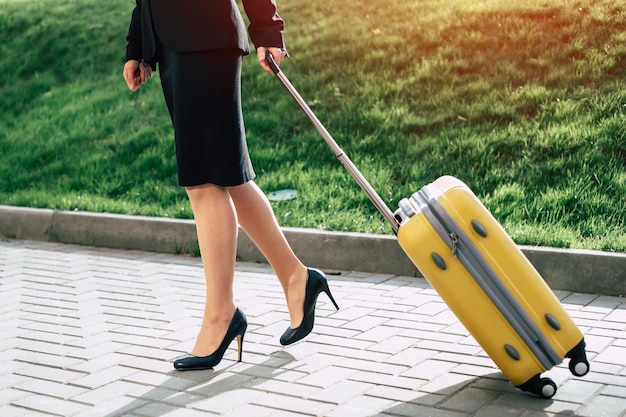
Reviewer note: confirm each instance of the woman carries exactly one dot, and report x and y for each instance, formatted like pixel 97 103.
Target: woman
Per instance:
pixel 198 46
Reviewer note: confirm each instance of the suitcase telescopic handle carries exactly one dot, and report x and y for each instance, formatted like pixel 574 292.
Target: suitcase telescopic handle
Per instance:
pixel 343 158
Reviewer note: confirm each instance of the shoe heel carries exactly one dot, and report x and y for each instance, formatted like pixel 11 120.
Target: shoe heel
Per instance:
pixel 239 337
pixel 239 346
pixel 327 291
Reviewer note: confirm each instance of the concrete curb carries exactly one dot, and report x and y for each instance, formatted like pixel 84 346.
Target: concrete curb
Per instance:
pixel 568 270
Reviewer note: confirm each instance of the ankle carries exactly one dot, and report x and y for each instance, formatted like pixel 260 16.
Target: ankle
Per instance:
pixel 219 316
pixel 298 277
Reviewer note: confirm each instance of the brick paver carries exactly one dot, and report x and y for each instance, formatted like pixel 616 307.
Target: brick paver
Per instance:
pixel 92 332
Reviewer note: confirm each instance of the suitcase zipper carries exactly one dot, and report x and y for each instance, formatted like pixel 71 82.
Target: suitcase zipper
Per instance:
pixel 455 241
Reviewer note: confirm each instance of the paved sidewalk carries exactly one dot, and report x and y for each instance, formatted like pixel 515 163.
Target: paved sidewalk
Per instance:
pixel 92 332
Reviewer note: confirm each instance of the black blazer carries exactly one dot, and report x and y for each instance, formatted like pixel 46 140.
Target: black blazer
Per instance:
pixel 201 25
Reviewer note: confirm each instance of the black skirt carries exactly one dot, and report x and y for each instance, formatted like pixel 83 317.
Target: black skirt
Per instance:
pixel 203 95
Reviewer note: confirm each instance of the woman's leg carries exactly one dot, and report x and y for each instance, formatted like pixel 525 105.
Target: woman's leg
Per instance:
pixel 257 219
pixel 216 226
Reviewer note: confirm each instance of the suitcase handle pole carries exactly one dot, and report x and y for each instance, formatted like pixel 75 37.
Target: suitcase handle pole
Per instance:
pixel 343 158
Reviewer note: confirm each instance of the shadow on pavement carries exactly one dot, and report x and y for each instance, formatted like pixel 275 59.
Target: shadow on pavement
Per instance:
pixel 488 395
pixel 206 391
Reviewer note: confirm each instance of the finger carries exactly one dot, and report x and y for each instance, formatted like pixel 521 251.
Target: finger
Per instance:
pixel 147 68
pixel 265 66
pixel 142 74
pixel 137 80
pixel 260 53
pixel 130 80
pixel 134 84
pixel 146 73
pixel 131 74
pixel 278 54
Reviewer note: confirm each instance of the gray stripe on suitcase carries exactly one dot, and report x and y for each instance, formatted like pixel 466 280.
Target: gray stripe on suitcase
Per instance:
pixel 486 278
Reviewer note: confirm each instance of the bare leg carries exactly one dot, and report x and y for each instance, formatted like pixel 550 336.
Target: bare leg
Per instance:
pixel 257 219
pixel 216 225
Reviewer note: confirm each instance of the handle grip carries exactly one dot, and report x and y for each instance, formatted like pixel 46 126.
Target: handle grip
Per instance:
pixel 269 58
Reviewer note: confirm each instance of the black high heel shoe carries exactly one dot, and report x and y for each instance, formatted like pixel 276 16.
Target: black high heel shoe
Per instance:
pixel 315 284
pixel 236 329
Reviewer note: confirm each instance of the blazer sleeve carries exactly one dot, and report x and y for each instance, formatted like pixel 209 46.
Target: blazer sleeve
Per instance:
pixel 266 26
pixel 135 38
pixel 134 49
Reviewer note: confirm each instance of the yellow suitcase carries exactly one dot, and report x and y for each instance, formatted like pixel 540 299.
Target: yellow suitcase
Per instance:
pixel 489 284
pixel 479 272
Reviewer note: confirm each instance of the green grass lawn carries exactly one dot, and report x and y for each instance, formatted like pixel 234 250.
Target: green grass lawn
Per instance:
pixel 524 101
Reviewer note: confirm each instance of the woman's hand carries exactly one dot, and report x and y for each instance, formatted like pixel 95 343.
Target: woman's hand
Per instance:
pixel 277 53
pixel 136 73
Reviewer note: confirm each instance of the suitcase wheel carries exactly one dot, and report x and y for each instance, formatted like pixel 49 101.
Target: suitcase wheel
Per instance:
pixel 579 368
pixel 548 388
pixel 543 387
pixel 578 364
